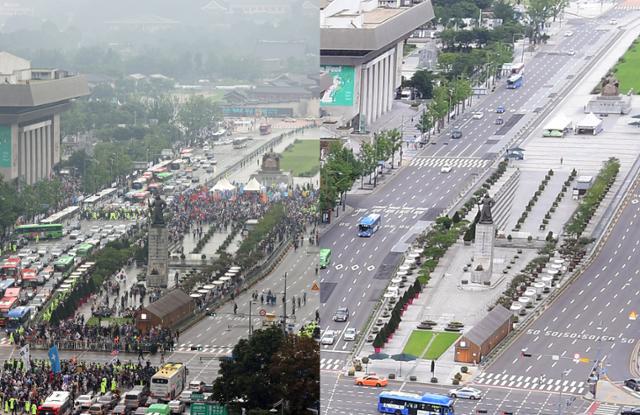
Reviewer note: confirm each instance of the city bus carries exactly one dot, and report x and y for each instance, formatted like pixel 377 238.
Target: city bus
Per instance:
pixel 325 257
pixel 18 317
pixel 62 215
pixel 44 231
pixel 169 381
pixel 163 177
pixel 58 403
pixel 85 249
pixel 369 224
pixel 29 278
pixel 7 304
pixel 240 142
pixel 63 264
pixel 6 284
pixel 515 81
pixel 403 403
pixel 139 184
pixel 517 68
pixel 265 129
pixel 11 268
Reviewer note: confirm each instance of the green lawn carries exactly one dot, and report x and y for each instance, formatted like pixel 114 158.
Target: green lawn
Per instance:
pixel 440 344
pixel 627 72
pixel 418 341
pixel 302 158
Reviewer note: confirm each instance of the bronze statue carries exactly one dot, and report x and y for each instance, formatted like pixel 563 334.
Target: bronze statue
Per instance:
pixel 610 86
pixel 157 210
pixel 485 211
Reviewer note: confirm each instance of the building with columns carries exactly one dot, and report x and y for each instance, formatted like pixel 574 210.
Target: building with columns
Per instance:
pixel 361 49
pixel 31 101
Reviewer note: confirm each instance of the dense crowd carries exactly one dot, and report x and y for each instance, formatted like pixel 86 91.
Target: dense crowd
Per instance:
pixel 23 388
pixel 122 337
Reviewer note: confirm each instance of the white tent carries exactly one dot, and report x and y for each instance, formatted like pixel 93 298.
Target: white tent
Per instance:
pixel 557 127
pixel 223 185
pixel 589 124
pixel 252 186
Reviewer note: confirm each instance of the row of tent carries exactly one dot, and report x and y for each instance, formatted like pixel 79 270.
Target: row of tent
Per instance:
pixel 560 125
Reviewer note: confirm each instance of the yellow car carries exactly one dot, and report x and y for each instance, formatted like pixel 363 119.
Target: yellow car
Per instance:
pixel 372 380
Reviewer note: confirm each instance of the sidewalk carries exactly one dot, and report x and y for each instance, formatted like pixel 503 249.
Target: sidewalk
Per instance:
pixel 609 392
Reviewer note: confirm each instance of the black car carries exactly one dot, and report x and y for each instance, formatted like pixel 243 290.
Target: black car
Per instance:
pixel 341 314
pixel 456 133
pixel 630 411
pixel 633 384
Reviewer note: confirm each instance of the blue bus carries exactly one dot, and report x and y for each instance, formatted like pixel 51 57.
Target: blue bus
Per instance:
pixel 369 224
pixel 403 403
pixel 515 81
pixel 18 317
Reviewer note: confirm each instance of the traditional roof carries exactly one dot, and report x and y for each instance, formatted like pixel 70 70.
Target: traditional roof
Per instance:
pixel 482 331
pixel 168 304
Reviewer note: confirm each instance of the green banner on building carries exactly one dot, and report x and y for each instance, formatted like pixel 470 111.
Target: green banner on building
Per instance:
pixel 340 93
pixel 5 146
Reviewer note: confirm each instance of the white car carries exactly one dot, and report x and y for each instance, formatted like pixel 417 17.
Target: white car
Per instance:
pixel 176 406
pixel 328 338
pixel 613 21
pixel 478 115
pixel 446 169
pixel 571 52
pixel 350 334
pixel 568 34
pixel 465 392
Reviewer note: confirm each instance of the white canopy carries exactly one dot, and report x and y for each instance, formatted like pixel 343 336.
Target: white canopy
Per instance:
pixel 223 185
pixel 252 186
pixel 590 122
pixel 559 123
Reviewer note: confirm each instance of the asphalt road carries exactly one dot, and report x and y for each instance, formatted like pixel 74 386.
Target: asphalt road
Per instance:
pixel 590 319
pixel 361 267
pixel 218 334
pixel 341 396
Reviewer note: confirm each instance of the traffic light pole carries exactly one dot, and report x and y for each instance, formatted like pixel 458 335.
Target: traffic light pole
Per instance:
pixel 284 306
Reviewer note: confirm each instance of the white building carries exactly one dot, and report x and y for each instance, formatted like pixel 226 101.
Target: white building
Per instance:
pixel 362 50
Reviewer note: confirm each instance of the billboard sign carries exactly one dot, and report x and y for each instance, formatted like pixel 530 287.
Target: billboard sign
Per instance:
pixel 5 146
pixel 340 93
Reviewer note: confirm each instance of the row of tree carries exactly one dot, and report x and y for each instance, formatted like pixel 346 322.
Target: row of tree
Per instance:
pixel 26 201
pixel 341 167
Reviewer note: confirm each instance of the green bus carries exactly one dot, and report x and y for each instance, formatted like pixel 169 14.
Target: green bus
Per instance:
pixel 84 249
pixel 158 408
pixel 44 231
pixel 163 177
pixel 64 264
pixel 325 257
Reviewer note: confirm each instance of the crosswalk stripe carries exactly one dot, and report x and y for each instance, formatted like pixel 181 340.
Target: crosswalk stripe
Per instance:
pixel 454 162
pixel 530 382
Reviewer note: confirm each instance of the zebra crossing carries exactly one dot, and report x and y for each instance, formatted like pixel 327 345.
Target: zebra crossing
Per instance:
pixel 331 364
pixel 465 162
pixel 606 409
pixel 217 350
pixel 531 383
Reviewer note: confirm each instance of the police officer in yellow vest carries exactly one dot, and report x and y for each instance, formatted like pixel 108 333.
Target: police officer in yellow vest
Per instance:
pixel 103 386
pixel 114 384
pixel 34 409
pixel 12 406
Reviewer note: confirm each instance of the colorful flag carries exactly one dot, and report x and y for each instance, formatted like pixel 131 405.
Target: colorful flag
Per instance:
pixel 54 358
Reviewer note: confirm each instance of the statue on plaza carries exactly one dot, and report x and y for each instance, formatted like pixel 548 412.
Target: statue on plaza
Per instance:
pixel 485 210
pixel 157 210
pixel 610 86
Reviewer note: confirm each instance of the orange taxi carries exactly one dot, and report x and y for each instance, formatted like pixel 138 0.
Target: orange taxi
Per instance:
pixel 372 380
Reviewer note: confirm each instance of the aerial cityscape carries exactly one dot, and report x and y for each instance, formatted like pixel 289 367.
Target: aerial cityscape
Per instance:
pixel 220 207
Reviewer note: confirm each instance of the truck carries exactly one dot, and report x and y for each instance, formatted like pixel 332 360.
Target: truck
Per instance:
pixel 265 129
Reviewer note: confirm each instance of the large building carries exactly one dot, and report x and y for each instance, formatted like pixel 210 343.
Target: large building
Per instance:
pixel 362 50
pixel 31 101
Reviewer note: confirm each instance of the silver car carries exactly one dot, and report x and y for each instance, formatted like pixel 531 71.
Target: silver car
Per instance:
pixel 465 392
pixel 350 334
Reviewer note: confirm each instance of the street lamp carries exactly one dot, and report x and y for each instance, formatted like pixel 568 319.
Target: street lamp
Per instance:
pixel 250 318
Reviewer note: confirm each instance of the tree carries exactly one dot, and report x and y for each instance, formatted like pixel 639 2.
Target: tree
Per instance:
pixel 196 114
pixel 503 10
pixel 425 123
pixel 295 372
pixel 422 80
pixel 395 143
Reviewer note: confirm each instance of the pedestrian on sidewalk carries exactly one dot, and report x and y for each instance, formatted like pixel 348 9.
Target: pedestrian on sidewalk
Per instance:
pixel 235 308
pixel 304 297
pixel 298 302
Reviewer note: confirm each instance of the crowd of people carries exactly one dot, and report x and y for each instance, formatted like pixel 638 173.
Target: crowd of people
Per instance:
pixel 25 386
pixel 122 337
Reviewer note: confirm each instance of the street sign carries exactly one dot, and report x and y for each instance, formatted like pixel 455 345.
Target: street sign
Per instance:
pixel 196 397
pixel 584 360
pixel 555 357
pixel 576 357
pixel 208 409
pixel 315 286
pixel 263 312
pixel 633 315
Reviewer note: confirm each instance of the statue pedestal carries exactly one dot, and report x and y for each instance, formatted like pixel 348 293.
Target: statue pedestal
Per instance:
pixel 158 269
pixel 483 253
